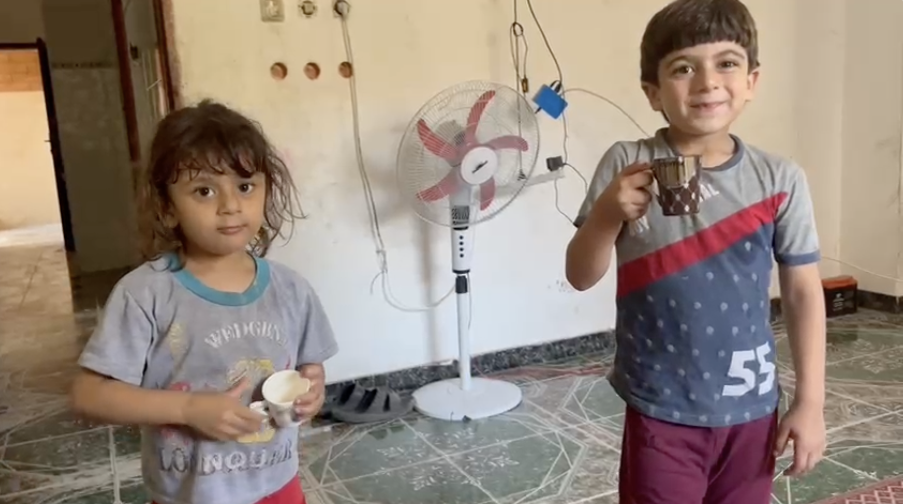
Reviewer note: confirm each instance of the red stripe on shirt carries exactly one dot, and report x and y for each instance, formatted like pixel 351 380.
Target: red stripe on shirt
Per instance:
pixel 643 271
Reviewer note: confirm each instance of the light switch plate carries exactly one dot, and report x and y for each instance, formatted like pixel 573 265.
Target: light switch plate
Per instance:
pixel 272 11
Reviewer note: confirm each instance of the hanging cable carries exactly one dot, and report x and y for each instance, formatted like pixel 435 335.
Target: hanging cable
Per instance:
pixel 376 231
pixel 517 41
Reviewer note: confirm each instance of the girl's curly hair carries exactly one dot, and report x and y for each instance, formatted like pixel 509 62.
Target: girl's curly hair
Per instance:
pixel 210 137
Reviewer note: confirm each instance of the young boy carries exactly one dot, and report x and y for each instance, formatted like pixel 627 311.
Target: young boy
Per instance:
pixel 695 360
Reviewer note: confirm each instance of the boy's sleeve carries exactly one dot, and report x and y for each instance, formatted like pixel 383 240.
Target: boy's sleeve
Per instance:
pixel 119 346
pixel 613 161
pixel 318 343
pixel 795 241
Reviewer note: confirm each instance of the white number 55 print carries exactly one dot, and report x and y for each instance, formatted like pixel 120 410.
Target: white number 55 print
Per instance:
pixel 738 370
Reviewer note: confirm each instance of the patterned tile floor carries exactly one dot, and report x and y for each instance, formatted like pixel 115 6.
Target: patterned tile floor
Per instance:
pixel 559 447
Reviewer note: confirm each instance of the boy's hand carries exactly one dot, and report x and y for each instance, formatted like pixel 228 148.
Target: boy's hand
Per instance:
pixel 222 416
pixel 309 404
pixel 627 195
pixel 804 424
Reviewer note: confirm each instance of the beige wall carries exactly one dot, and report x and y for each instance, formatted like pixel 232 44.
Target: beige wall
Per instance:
pixel 871 199
pixel 28 190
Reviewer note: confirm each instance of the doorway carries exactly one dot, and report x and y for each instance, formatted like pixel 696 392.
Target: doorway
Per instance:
pixel 34 206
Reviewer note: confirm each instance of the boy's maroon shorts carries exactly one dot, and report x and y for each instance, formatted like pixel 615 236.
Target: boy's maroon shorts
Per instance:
pixel 665 463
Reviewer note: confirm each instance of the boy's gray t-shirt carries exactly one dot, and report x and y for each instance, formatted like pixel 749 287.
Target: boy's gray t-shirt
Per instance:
pixel 162 328
pixel 694 340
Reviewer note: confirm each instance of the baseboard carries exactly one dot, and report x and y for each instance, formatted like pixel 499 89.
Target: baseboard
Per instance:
pixel 412 378
pixel 879 302
pixel 601 343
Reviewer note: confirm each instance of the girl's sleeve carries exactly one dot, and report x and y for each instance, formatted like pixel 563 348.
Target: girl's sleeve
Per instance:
pixel 119 346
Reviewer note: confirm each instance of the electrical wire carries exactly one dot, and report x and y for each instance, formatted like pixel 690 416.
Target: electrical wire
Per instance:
pixel 376 231
pixel 559 82
pixel 610 102
pixel 552 54
pixel 516 42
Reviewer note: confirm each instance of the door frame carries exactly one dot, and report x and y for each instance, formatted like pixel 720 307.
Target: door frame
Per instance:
pixel 53 134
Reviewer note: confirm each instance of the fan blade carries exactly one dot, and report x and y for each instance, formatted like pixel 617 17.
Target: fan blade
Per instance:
pixel 474 117
pixel 443 188
pixel 436 144
pixel 507 142
pixel 487 193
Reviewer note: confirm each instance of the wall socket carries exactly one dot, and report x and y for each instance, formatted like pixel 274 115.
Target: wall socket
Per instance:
pixel 272 11
pixel 340 6
pixel 307 8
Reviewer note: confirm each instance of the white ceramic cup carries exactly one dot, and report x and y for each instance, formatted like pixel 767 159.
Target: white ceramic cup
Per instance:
pixel 280 391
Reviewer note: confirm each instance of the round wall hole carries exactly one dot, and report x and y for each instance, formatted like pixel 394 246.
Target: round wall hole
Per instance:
pixel 279 71
pixel 345 69
pixel 312 70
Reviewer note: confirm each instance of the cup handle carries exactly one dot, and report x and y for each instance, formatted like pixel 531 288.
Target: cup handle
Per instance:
pixel 260 407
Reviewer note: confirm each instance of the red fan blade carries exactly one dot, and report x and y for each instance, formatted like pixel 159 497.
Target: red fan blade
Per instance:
pixel 474 117
pixel 487 193
pixel 435 144
pixel 442 188
pixel 507 142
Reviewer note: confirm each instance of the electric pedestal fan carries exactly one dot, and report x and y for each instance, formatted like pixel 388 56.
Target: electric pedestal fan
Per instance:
pixel 465 156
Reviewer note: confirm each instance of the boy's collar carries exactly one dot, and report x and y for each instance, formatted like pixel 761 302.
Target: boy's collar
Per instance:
pixel 662 137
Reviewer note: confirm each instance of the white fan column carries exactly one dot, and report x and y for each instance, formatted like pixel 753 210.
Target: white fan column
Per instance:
pixel 464 157
pixel 467 397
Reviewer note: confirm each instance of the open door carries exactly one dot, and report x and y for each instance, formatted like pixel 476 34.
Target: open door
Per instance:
pixel 55 152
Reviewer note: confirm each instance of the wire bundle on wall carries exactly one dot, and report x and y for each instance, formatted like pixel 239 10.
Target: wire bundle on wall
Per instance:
pixel 382 276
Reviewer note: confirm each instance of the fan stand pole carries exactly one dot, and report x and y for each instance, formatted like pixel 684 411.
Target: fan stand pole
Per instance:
pixel 465 397
pixel 462 294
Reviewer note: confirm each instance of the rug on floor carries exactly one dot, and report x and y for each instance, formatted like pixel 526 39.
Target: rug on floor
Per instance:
pixel 883 492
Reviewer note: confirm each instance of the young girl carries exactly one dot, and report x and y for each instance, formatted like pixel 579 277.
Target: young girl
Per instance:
pixel 185 340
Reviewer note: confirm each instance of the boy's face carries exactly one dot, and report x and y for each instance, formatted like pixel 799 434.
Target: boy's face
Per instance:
pixel 219 214
pixel 702 89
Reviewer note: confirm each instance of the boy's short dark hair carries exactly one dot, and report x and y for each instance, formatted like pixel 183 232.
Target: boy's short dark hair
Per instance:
pixel 686 23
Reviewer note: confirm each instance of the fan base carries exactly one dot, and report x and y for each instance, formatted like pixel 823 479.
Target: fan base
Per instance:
pixel 445 400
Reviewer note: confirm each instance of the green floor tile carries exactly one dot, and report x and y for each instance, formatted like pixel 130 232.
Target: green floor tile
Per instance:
pixel 372 450
pixel 133 494
pixel 879 462
pixel 456 437
pixel 537 466
pixel 64 496
pixel 73 468
pixel 594 399
pixel 851 342
pixel 826 480
pixel 61 455
pixel 437 482
pixel 127 440
pixel 35 423
pixel 885 367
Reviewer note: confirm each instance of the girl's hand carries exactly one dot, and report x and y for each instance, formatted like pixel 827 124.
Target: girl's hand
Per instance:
pixel 309 404
pixel 222 416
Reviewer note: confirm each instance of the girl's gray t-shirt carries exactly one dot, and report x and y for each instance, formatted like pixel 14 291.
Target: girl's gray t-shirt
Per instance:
pixel 163 329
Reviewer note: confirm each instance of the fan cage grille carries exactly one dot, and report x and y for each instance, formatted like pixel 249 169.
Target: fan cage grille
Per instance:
pixel 446 114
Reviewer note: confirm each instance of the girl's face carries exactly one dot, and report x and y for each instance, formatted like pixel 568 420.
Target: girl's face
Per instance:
pixel 219 214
